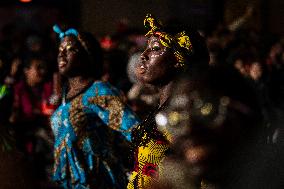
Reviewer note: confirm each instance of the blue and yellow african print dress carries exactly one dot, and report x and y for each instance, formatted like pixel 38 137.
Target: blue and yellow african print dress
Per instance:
pixel 90 133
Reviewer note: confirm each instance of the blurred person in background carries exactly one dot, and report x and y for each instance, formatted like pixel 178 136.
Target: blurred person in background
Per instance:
pixel 118 48
pixel 33 91
pixel 30 114
pixel 274 56
pixel 34 44
pixel 241 67
pixel 13 166
pixel 6 97
pixel 15 71
pixel 216 125
pixel 92 124
pixel 259 81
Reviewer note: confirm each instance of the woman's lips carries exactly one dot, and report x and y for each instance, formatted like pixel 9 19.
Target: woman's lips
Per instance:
pixel 142 68
pixel 62 64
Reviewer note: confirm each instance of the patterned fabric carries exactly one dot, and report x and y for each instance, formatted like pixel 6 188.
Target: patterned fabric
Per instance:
pixel 147 168
pixel 151 147
pixel 88 132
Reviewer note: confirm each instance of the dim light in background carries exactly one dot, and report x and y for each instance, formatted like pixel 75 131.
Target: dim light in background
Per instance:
pixel 25 1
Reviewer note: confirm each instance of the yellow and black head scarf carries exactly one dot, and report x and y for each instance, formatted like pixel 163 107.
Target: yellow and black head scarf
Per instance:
pixel 180 43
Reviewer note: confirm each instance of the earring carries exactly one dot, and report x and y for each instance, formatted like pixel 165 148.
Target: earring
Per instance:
pixel 179 65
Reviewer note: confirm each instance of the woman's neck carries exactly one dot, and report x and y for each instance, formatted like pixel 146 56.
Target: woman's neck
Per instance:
pixel 31 84
pixel 77 84
pixel 165 91
pixel 76 81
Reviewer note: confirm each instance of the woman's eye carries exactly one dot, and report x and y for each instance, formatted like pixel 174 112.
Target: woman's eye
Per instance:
pixel 155 48
pixel 68 47
pixel 73 49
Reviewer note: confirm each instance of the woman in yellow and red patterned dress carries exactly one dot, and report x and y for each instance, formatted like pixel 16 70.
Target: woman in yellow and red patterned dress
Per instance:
pixel 170 52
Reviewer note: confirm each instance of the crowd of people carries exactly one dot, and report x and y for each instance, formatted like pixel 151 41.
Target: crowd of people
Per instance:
pixel 183 108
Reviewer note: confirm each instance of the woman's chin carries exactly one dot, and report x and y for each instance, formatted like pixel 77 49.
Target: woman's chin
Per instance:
pixel 67 72
pixel 144 79
pixel 62 71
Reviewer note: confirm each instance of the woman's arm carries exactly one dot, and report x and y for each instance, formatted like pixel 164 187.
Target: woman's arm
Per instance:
pixel 112 110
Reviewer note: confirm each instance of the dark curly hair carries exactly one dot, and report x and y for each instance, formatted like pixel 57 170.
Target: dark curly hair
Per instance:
pixel 93 51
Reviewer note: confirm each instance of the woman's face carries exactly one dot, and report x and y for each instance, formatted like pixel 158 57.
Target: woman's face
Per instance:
pixel 156 63
pixel 255 71
pixel 69 56
pixel 36 72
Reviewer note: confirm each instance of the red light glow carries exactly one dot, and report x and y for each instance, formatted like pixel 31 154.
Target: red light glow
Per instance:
pixel 25 1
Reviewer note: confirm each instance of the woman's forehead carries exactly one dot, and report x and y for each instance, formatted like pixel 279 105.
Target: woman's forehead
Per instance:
pixel 68 40
pixel 152 39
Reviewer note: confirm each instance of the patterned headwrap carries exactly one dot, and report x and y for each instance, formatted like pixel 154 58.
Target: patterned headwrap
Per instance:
pixel 180 43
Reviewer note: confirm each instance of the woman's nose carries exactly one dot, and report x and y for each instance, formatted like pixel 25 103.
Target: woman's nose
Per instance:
pixel 144 57
pixel 61 53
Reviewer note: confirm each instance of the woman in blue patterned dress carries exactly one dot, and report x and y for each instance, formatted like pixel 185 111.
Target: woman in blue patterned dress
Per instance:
pixel 92 125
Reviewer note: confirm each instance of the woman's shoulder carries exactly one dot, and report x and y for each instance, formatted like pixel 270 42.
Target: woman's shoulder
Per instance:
pixel 102 88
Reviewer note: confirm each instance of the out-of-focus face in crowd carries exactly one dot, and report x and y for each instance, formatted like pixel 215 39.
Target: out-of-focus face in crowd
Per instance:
pixel 255 71
pixel 206 124
pixel 35 72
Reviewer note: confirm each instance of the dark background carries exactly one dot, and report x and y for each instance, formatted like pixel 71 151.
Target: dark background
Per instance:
pixel 105 16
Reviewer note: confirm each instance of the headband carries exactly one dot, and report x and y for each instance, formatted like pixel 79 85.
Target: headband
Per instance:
pixel 180 43
pixel 70 31
pixel 61 34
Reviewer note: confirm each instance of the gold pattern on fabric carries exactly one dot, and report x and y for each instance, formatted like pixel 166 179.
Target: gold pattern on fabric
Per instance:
pixel 68 153
pixel 149 156
pixel 184 41
pixel 115 107
pixel 152 24
pixel 77 163
pixel 151 153
pixel 78 119
pixel 57 152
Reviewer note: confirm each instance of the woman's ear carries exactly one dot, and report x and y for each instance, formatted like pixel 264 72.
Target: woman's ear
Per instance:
pixel 174 60
pixel 179 65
